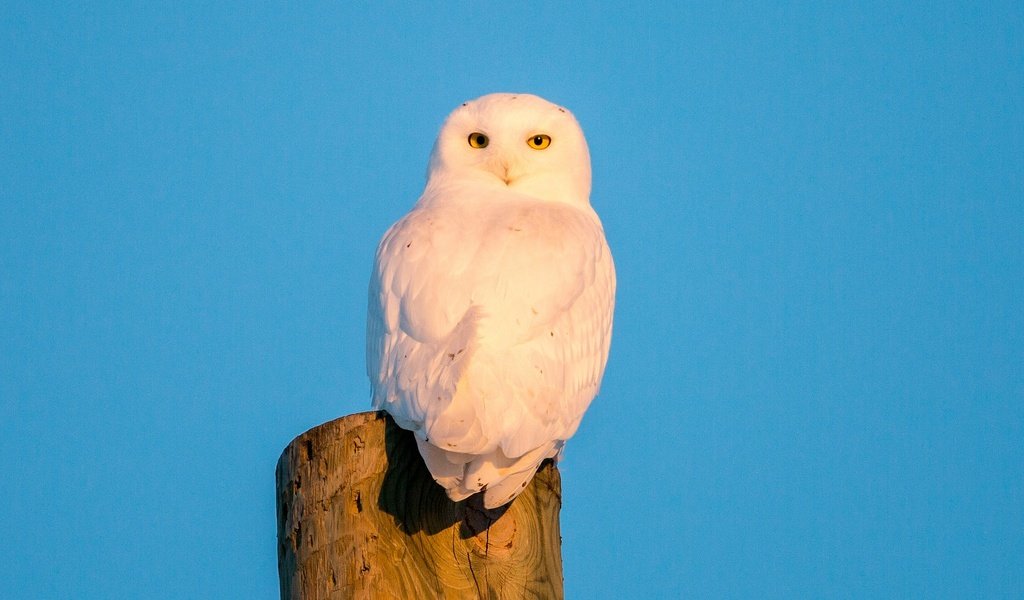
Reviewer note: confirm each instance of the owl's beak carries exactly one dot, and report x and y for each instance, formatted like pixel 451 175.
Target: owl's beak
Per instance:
pixel 503 169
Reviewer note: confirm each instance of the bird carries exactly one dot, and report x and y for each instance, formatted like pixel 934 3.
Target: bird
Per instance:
pixel 491 302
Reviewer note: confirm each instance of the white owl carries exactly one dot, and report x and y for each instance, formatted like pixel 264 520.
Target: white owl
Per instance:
pixel 491 302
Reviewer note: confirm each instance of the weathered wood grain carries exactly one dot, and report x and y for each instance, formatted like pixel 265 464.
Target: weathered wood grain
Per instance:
pixel 360 517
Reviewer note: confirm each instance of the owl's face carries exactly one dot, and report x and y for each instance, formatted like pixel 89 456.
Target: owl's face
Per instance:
pixel 514 141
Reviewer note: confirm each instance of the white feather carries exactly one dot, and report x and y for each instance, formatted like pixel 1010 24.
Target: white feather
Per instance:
pixel 490 308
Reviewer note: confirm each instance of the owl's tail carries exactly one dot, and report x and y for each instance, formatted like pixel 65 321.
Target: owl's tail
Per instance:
pixel 499 477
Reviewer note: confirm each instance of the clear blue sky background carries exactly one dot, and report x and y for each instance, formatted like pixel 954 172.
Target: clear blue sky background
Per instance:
pixel 817 213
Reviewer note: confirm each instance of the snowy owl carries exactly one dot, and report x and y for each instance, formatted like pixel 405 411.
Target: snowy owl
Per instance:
pixel 490 308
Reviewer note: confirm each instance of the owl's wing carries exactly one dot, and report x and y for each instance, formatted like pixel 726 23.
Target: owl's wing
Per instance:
pixel 419 320
pixel 559 362
pixel 586 329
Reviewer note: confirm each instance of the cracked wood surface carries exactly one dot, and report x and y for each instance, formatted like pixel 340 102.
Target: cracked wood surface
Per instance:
pixel 360 517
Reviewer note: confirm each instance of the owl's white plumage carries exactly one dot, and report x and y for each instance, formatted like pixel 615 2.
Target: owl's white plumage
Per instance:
pixel 490 308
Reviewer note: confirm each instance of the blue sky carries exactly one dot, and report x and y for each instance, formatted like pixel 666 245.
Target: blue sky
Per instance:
pixel 816 384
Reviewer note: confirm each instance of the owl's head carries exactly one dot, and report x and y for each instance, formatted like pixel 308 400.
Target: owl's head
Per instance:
pixel 514 141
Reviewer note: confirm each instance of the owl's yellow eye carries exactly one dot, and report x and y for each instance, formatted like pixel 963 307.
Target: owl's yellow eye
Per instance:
pixel 539 141
pixel 478 140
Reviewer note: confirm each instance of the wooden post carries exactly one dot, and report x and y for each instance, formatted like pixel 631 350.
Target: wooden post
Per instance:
pixel 358 516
